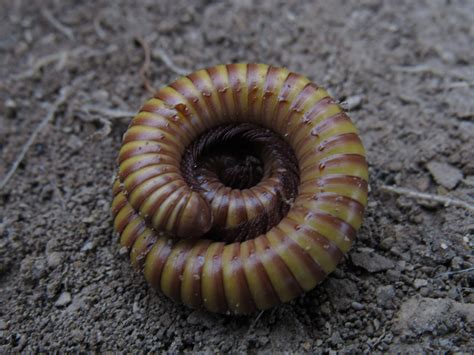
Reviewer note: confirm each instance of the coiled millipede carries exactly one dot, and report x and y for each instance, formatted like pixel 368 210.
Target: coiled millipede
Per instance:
pixel 239 187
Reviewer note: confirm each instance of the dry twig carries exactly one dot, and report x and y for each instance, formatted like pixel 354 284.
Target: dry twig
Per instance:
pixel 110 113
pixel 103 116
pixel 63 96
pixel 146 64
pixel 420 68
pixel 449 273
pixel 379 339
pixel 98 27
pixel 458 85
pixel 61 58
pixel 426 68
pixel 445 200
pixel 168 62
pixel 56 24
pixel 253 324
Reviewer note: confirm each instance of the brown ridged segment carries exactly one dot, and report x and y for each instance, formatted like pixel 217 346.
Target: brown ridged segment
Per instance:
pixel 239 187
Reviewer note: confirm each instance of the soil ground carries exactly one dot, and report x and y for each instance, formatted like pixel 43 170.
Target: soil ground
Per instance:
pixel 405 69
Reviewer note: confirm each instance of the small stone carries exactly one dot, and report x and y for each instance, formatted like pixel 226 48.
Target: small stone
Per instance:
pixel 101 95
pixel 88 246
pixel 53 288
pixel 77 335
pixel 75 143
pixel 306 345
pixel 406 256
pixel 447 56
pixel 425 291
pixel 3 324
pixel 367 259
pixel 423 184
pixel 418 316
pixel 54 259
pixel 456 263
pixel 164 27
pixel 343 293
pixel 385 296
pixel 352 102
pixel 453 293
pixel 387 243
pixel 263 340
pixel 32 269
pixel 393 275
pixel 10 108
pixel 88 219
pixel 376 324
pixel 77 303
pixel 417 219
pixel 200 317
pixel 357 306
pixel 444 174
pixel 395 166
pixel 63 300
pixel 445 343
pixel 418 283
pixel 335 338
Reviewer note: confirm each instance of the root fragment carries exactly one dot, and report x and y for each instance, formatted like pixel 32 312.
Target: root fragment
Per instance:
pixel 445 200
pixel 63 96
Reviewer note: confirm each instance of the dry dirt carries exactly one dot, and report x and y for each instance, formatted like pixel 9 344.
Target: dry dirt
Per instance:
pixel 406 72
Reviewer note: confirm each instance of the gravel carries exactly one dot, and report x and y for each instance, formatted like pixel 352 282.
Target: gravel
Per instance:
pixel 445 174
pixel 369 260
pixel 404 69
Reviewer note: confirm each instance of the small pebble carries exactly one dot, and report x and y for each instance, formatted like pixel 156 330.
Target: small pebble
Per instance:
pixel 395 166
pixel 54 259
pixel 456 263
pixel 63 300
pixel 88 219
pixel 418 283
pixel 11 108
pixel 75 143
pixel 444 174
pixel 336 338
pixel 87 246
pixel 385 296
pixel 367 259
pixel 423 184
pixel 352 102
pixel 306 345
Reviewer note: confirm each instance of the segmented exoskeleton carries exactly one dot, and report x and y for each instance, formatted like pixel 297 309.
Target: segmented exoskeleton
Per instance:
pixel 239 187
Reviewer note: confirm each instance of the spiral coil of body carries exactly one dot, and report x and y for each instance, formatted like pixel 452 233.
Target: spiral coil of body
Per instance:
pixel 206 234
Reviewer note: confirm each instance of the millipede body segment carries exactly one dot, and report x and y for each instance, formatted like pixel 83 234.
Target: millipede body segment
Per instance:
pixel 239 187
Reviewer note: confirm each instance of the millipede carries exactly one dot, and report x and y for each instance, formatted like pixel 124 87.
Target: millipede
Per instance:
pixel 239 187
